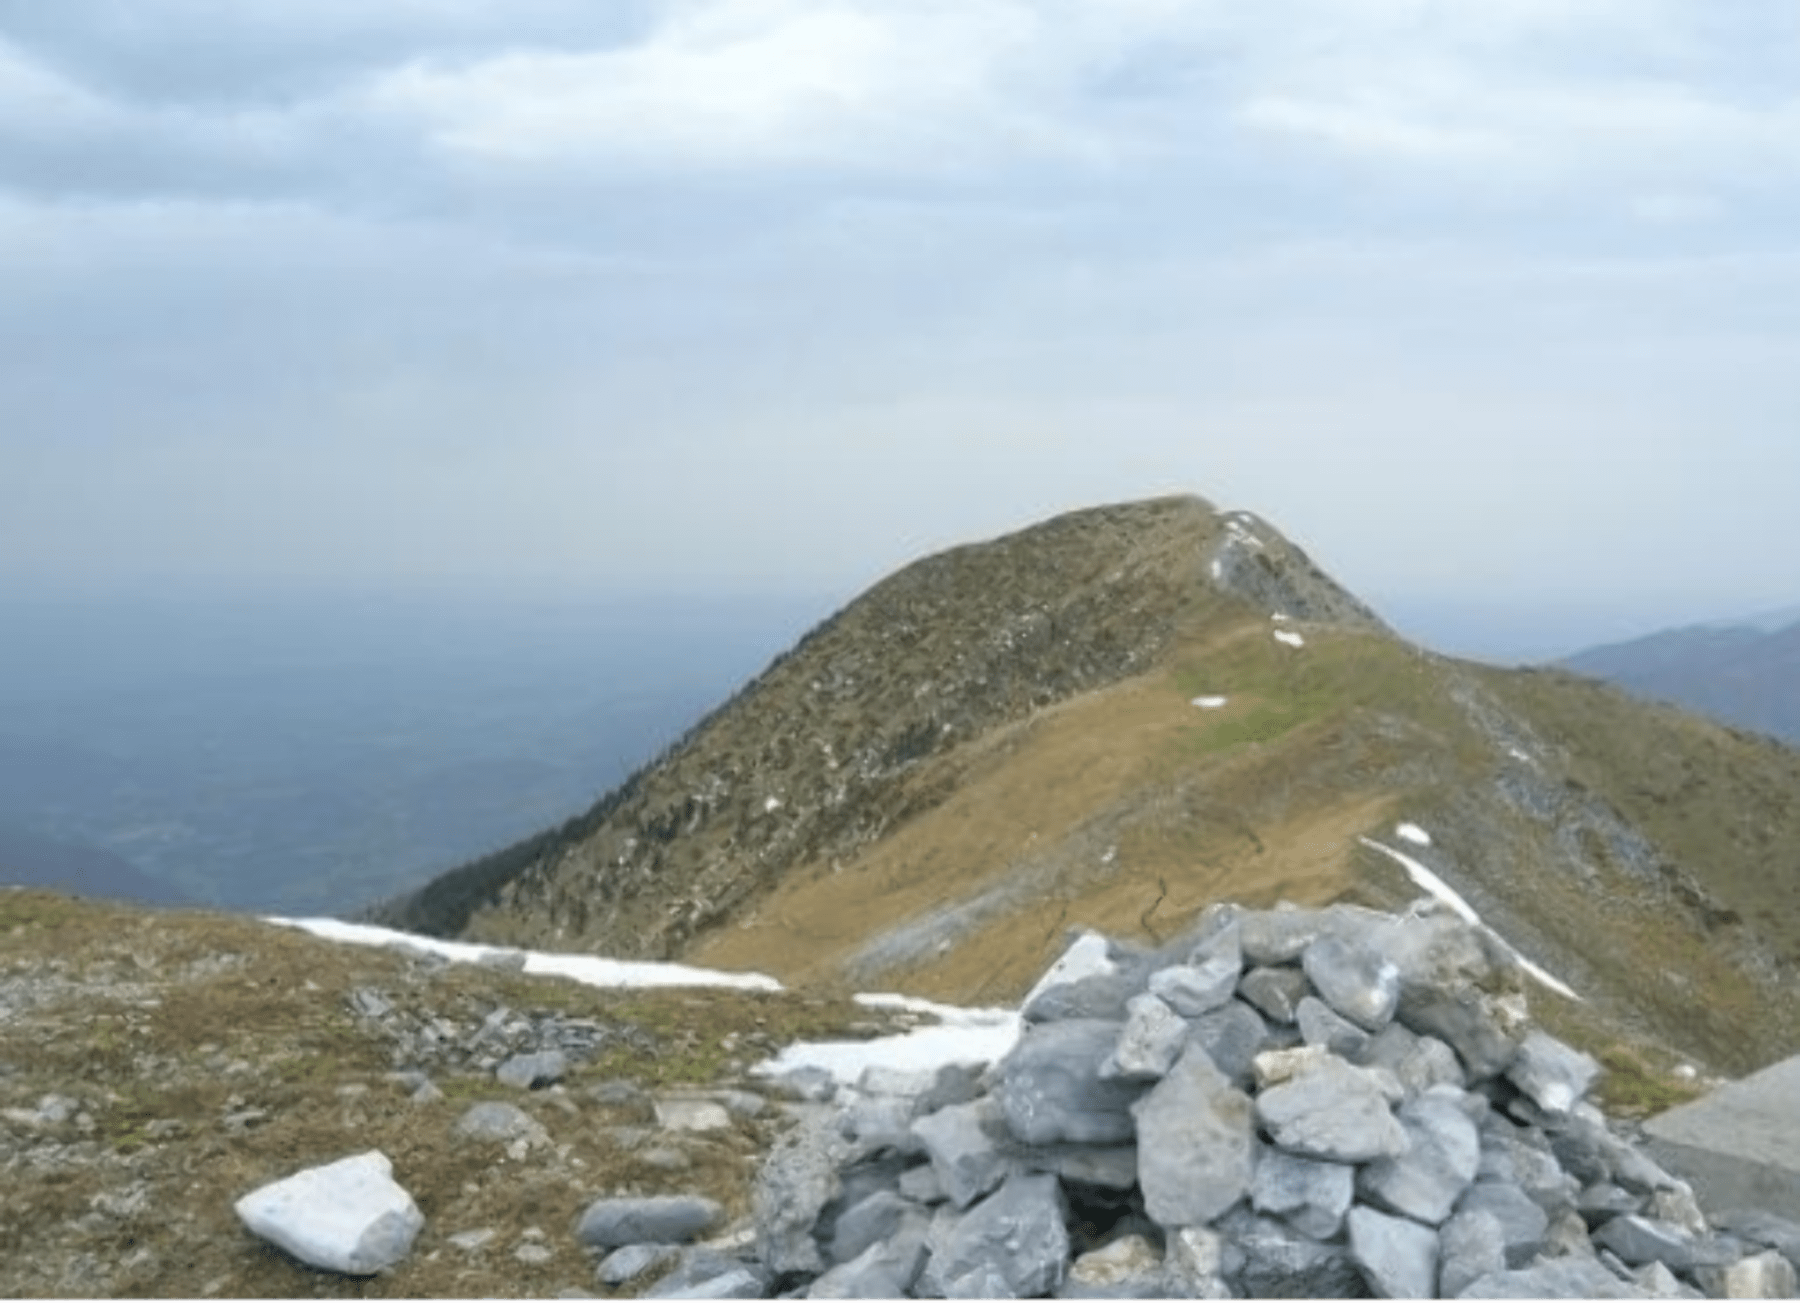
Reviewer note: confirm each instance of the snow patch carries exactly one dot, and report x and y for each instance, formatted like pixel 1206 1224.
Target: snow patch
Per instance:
pixel 1430 881
pixel 1413 833
pixel 1218 569
pixel 1517 754
pixel 963 1036
pixel 1208 703
pixel 771 805
pixel 1289 637
pixel 590 970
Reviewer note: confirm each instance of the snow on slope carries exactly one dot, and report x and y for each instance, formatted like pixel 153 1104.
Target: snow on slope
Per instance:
pixel 1425 878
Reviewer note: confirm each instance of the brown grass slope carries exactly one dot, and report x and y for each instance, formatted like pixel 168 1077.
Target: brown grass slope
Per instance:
pixel 998 744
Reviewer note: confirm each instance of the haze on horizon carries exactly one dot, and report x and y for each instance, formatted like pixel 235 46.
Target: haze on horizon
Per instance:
pixel 1494 308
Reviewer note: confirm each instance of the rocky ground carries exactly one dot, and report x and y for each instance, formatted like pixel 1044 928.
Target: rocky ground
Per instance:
pixel 155 1067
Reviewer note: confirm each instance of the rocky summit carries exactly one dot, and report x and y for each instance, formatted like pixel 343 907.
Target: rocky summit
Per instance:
pixel 1124 1149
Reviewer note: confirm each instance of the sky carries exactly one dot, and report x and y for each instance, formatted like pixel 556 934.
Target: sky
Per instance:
pixel 1494 308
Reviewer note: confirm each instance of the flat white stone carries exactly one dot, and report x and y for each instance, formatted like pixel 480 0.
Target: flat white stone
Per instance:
pixel 348 1216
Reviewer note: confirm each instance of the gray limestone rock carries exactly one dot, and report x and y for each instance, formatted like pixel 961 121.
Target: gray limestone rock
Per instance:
pixel 1524 1158
pixel 1311 1196
pixel 1551 1074
pixel 1193 989
pixel 1637 1240
pixel 921 1185
pixel 1333 1111
pixel 1466 1020
pixel 1552 1278
pixel 1398 1257
pixel 634 1260
pixel 1355 980
pixel 1470 1245
pixel 1521 1220
pixel 1195 1262
pixel 792 1187
pixel 1232 1036
pixel 1440 1160
pixel 1194 1143
pixel 1112 1167
pixel 875 1122
pixel 1320 1024
pixel 659 1219
pixel 1050 1086
pixel 1150 1041
pixel 1763 1275
pixel 1567 1235
pixel 963 1143
pixel 1658 1281
pixel 1012 1244
pixel 1278 936
pixel 886 1269
pixel 705 1273
pixel 1602 1201
pixel 498 1122
pixel 869 1221
pixel 1274 992
pixel 533 1071
pixel 1763 1228
pixel 1275 1261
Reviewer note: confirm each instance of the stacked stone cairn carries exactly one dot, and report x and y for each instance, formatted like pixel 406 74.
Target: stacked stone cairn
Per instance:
pixel 1292 1102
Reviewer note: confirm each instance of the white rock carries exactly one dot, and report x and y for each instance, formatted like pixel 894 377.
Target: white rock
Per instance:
pixel 348 1216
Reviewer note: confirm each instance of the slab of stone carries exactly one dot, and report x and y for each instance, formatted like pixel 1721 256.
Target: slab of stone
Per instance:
pixel 1763 1275
pixel 1087 982
pixel 1355 980
pixel 1194 1134
pixel 1397 1256
pixel 634 1260
pixel 1196 988
pixel 886 1269
pixel 963 1144
pixel 349 1216
pixel 1552 1075
pixel 1274 992
pixel 1275 1261
pixel 533 1071
pixel 1232 1036
pixel 1150 1041
pixel 921 1185
pixel 1442 1154
pixel 1014 1244
pixel 1739 1147
pixel 1310 1195
pixel 690 1113
pixel 1523 1223
pixel 1552 1278
pixel 498 1121
pixel 1050 1088
pixel 1112 1167
pixel 1637 1240
pixel 657 1219
pixel 1277 936
pixel 1332 1111
pixel 794 1184
pixel 1765 1229
pixel 1322 1025
pixel 1470 1245
pixel 869 1221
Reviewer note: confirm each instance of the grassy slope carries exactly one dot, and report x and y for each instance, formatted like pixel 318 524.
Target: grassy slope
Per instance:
pixel 183 1019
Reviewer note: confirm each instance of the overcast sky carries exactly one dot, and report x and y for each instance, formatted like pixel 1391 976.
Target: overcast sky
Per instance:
pixel 1490 302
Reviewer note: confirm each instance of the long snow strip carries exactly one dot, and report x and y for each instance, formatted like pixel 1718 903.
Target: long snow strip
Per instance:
pixel 591 970
pixel 1425 878
pixel 963 1036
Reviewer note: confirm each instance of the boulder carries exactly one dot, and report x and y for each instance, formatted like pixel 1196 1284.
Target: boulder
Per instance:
pixel 1129 1267
pixel 1763 1275
pixel 1278 936
pixel 793 1186
pixel 1112 1167
pixel 1322 1025
pixel 1470 1245
pixel 962 1141
pixel 1333 1111
pixel 1551 1074
pixel 1050 1087
pixel 1275 1261
pixel 533 1071
pixel 1193 989
pixel 498 1121
pixel 886 1269
pixel 1195 1260
pixel 1397 1256
pixel 1274 992
pixel 1552 1278
pixel 1522 1222
pixel 634 1260
pixel 1439 1162
pixel 1637 1240
pixel 1232 1036
pixel 1013 1244
pixel 348 1216
pixel 1150 1041
pixel 1355 980
pixel 1311 1196
pixel 659 1219
pixel 871 1220
pixel 1194 1143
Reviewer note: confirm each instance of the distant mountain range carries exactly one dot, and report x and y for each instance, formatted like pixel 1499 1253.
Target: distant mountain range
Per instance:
pixel 1117 716
pixel 1745 673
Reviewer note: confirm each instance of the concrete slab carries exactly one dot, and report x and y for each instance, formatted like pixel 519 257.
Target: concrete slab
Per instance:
pixel 1739 1147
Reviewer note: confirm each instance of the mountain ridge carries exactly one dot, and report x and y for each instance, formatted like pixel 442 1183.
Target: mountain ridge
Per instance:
pixel 1116 716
